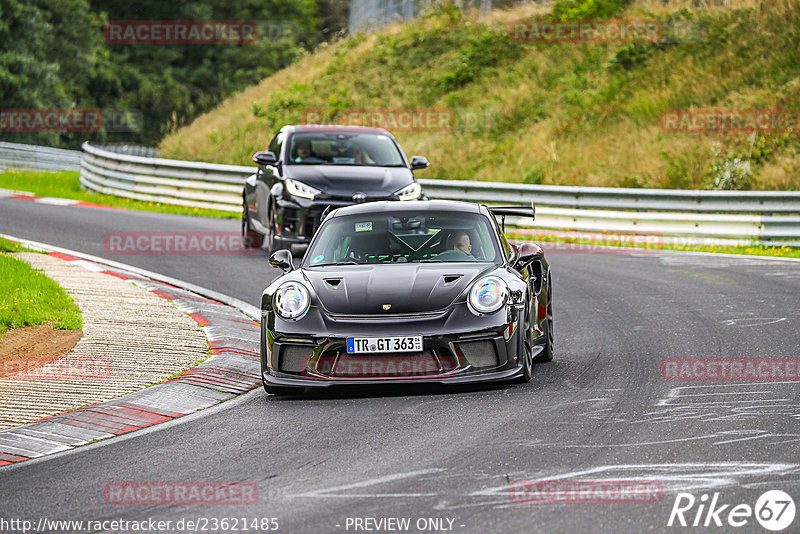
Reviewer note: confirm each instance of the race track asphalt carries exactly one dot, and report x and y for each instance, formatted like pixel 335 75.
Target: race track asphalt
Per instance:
pixel 601 411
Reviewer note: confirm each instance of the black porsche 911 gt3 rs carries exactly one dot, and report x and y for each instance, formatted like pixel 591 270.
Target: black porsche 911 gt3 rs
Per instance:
pixel 427 291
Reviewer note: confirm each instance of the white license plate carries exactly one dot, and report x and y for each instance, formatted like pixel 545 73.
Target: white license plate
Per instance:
pixel 358 345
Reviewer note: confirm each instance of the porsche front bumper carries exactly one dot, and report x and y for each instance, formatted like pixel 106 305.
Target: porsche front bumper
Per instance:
pixel 294 359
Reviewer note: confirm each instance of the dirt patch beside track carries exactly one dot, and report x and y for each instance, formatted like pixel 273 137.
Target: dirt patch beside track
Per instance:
pixel 24 349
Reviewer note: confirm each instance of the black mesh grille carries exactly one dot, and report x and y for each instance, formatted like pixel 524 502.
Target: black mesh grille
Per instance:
pixel 294 358
pixel 480 353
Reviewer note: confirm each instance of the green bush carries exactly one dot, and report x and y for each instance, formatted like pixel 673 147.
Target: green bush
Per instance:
pixel 483 50
pixel 631 55
pixel 535 175
pixel 587 9
pixel 736 169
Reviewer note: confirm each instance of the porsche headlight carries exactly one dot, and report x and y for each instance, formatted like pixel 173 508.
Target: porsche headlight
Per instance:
pixel 299 189
pixel 487 295
pixel 292 300
pixel 409 192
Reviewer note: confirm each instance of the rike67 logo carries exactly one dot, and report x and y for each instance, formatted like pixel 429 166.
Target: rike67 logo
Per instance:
pixel 774 510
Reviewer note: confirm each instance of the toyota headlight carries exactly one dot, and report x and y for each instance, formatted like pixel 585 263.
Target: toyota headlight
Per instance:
pixel 299 189
pixel 292 300
pixel 487 295
pixel 409 192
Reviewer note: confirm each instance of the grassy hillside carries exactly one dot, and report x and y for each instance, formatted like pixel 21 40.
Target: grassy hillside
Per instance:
pixel 551 113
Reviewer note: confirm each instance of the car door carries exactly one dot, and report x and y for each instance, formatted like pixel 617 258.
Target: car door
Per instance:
pixel 266 178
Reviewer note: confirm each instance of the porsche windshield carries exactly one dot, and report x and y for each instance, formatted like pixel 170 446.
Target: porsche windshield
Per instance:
pixel 408 237
pixel 336 148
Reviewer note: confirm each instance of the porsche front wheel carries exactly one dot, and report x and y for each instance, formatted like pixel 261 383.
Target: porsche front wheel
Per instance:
pixel 527 356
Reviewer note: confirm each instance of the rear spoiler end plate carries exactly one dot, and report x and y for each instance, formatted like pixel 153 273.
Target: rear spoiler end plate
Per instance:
pixel 515 211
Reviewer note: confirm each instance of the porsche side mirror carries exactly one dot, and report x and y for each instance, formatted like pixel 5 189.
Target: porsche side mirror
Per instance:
pixel 265 158
pixel 419 162
pixel 282 259
pixel 528 252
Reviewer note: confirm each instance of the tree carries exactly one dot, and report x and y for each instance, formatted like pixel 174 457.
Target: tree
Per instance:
pixel 53 54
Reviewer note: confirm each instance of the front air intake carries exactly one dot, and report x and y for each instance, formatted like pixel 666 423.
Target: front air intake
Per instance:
pixel 294 358
pixel 480 354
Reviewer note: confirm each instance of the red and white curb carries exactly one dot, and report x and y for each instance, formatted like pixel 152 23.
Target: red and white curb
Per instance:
pixel 232 368
pixel 22 195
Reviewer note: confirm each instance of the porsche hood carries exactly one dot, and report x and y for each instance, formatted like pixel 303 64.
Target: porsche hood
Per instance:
pixel 393 289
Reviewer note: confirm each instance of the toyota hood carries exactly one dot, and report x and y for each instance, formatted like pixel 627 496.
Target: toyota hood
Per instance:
pixel 344 180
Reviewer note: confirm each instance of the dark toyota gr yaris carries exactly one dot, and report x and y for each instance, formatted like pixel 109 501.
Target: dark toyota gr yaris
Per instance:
pixel 427 291
pixel 306 169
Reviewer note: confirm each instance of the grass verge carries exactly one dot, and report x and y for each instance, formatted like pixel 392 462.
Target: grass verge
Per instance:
pixel 10 246
pixel 29 298
pixel 65 184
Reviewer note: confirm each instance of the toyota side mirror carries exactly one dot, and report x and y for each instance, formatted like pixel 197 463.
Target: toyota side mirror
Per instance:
pixel 265 158
pixel 419 162
pixel 282 259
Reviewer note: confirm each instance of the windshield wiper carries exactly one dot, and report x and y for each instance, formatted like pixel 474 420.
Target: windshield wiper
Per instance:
pixel 348 262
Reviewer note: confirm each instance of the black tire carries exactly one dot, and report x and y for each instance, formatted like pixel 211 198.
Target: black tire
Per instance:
pixel 250 238
pixel 279 390
pixel 527 365
pixel 547 354
pixel 273 243
pixel 527 356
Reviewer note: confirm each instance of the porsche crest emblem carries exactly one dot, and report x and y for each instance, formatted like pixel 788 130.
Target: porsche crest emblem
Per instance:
pixel 387 307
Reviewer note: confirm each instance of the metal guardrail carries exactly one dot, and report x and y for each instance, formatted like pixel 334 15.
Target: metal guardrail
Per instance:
pixel 38 158
pixel 610 198
pixel 734 217
pixel 185 183
pixel 741 216
pixel 133 150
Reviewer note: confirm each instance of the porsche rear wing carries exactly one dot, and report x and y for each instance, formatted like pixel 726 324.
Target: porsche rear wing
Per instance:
pixel 515 211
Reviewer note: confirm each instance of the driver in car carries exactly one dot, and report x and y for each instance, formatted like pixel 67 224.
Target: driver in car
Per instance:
pixel 459 242
pixel 357 153
pixel 305 154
